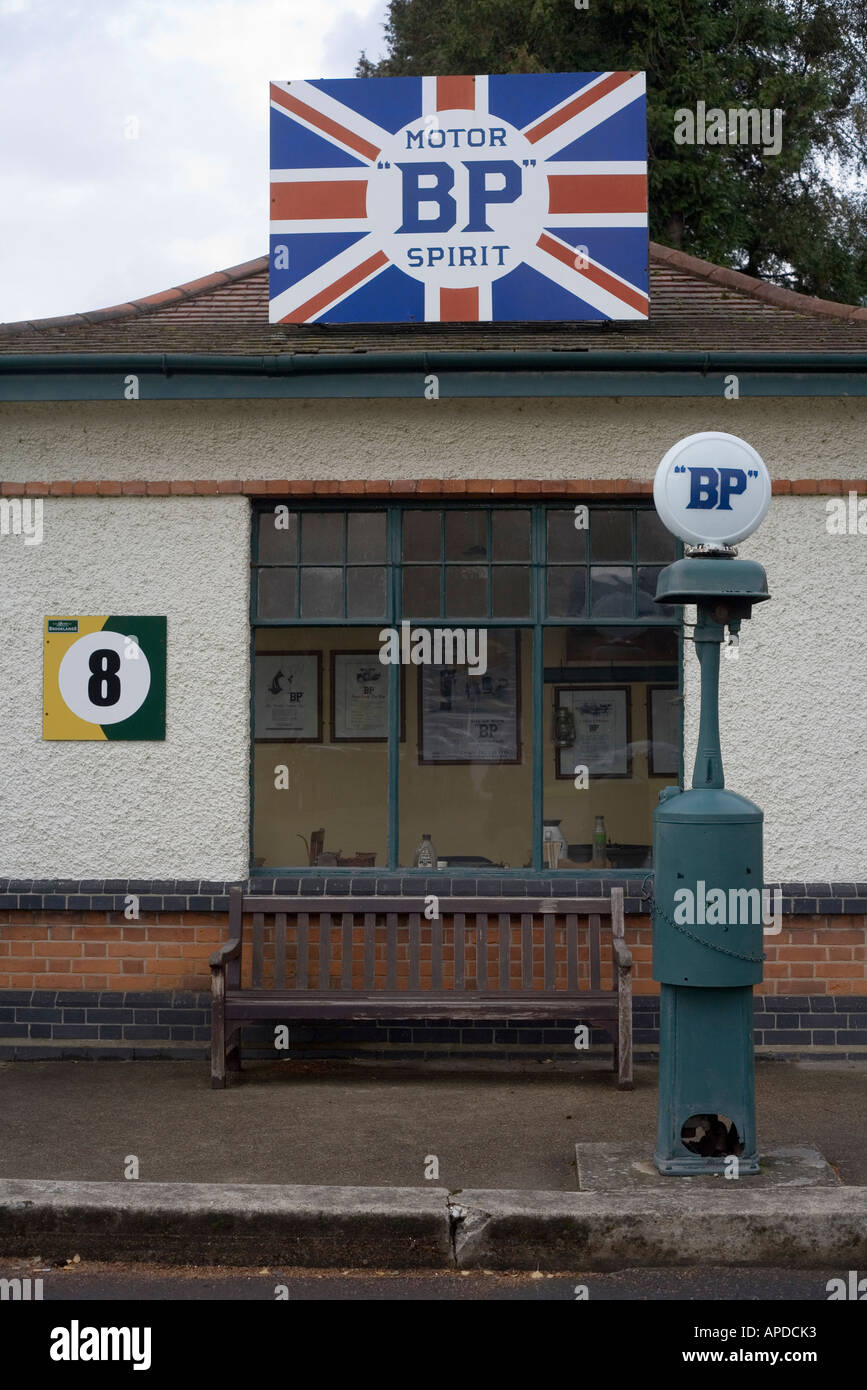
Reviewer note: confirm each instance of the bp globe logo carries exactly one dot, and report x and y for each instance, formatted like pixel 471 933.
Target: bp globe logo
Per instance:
pixel 459 199
pixel 712 489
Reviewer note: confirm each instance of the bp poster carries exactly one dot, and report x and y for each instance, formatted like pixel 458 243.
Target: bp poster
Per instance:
pixel 104 678
pixel 509 198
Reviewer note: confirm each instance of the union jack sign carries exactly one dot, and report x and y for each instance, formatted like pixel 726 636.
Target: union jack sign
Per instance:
pixel 517 198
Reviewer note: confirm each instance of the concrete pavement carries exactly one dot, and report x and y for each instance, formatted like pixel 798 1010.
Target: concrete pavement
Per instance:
pixel 397 1165
pixel 510 1126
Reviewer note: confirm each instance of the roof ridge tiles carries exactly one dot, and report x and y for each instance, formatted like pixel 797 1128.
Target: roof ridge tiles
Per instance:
pixel 752 285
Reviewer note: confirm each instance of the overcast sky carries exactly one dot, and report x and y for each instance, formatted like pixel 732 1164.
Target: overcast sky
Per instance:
pixel 134 137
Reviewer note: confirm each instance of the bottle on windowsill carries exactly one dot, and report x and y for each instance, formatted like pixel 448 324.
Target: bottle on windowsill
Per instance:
pixel 425 855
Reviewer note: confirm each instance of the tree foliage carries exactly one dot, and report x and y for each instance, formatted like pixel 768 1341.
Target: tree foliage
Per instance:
pixel 798 218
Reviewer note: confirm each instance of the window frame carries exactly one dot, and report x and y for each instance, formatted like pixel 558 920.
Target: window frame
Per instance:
pixel 537 621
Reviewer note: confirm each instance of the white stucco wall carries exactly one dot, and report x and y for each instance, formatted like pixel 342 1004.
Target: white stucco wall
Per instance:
pixel 793 706
pixel 616 437
pixel 177 809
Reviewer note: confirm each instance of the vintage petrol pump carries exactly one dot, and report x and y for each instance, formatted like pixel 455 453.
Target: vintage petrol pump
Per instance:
pixel 711 489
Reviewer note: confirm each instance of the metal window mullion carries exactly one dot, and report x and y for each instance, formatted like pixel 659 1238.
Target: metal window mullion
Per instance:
pixel 395 676
pixel 442 563
pixel 489 543
pixel 538 608
pixel 345 549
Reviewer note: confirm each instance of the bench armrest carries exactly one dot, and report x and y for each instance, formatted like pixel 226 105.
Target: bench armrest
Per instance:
pixel 621 952
pixel 230 951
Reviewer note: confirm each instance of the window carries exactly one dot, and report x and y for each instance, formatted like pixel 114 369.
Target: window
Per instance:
pixel 527 703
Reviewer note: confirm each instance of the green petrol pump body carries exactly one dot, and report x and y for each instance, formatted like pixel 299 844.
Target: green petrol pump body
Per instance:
pixel 707 841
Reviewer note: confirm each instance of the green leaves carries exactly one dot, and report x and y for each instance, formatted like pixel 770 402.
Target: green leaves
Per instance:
pixel 796 218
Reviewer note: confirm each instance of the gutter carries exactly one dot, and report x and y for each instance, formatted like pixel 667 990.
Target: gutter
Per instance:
pixel 415 361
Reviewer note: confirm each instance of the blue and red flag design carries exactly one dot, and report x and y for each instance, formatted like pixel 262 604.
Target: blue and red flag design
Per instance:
pixel 516 198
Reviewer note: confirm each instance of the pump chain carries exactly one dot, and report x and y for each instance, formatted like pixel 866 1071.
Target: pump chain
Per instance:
pixel 711 946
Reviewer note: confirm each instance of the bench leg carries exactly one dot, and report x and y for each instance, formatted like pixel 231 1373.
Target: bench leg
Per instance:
pixel 218 1032
pixel 233 1049
pixel 623 1046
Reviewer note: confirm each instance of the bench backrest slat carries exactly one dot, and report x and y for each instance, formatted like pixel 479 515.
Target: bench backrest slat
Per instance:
pixel 280 950
pixel 572 952
pixel 460 935
pixel 505 949
pixel 436 952
pixel 527 951
pixel 369 952
pixel 414 950
pixel 482 952
pixel 302 945
pixel 391 921
pixel 324 951
pixel 348 922
pixel 549 950
pixel 258 948
pixel 595 976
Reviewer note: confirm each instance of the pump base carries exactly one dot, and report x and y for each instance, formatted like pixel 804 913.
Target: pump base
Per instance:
pixel 706 1076
pixel 695 1165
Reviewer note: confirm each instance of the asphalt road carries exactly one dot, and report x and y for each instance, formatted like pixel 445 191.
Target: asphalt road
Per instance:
pixel 96 1282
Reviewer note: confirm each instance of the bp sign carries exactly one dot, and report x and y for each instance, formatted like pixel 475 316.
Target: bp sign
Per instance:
pixel 104 678
pixel 459 198
pixel 712 489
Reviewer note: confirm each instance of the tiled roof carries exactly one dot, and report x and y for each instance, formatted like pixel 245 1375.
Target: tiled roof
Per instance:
pixel 695 305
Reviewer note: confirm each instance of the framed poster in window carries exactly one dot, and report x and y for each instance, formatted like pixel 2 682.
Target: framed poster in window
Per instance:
pixel 287 704
pixel 663 730
pixel 464 718
pixel 359 698
pixel 600 718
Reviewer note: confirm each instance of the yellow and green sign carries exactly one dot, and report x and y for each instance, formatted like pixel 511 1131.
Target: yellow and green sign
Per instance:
pixel 104 678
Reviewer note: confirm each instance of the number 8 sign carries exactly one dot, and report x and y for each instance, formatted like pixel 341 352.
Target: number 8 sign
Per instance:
pixel 104 678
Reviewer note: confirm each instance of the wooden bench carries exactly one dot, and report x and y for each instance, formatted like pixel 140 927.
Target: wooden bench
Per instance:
pixel 321 958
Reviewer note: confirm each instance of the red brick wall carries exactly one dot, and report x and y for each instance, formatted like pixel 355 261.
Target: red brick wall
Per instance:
pixel 101 950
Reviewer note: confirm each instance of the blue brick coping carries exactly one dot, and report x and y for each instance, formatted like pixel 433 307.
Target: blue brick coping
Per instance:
pixel 211 895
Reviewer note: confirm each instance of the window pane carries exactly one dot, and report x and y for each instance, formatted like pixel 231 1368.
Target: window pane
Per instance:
pixel 422 535
pixel 466 591
pixel 466 767
pixel 566 544
pixel 321 593
pixel 366 536
pixel 610 592
pixel 334 745
pixel 421 591
pixel 654 541
pixel 322 538
pixel 278 545
pixel 567 592
pixel 511 586
pixel 365 592
pixel 610 706
pixel 610 535
pixel 276 594
pixel 466 535
pixel 647 578
pixel 511 532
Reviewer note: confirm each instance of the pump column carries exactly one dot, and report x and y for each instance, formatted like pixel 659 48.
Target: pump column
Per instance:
pixel 710 489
